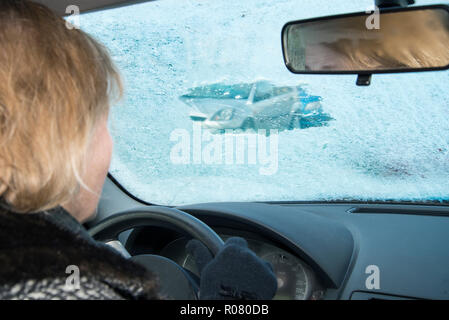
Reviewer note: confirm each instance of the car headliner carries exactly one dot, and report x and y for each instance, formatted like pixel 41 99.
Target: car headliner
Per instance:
pixel 59 6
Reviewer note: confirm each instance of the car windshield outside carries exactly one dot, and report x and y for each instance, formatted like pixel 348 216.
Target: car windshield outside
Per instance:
pixel 211 113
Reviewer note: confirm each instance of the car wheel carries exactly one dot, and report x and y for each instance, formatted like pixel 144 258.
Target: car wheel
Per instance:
pixel 295 122
pixel 248 124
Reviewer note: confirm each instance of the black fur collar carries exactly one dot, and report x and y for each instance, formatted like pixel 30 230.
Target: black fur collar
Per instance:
pixel 42 245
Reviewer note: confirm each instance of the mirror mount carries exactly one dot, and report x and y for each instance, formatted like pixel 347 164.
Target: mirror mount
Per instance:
pixel 364 80
pixel 393 3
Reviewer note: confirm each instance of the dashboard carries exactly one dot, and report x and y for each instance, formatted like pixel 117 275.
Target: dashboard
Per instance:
pixel 318 250
pixel 296 279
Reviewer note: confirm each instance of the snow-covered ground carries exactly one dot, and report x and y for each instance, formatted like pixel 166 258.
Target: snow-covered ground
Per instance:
pixel 388 141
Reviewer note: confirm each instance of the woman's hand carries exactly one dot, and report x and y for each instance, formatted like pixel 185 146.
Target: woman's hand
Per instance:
pixel 235 273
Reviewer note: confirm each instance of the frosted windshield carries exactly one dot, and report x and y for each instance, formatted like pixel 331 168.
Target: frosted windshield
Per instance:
pixel 205 83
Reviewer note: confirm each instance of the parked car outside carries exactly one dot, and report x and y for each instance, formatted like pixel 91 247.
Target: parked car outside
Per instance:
pixel 258 105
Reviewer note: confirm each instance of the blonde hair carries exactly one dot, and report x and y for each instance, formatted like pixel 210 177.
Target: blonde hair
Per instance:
pixel 55 84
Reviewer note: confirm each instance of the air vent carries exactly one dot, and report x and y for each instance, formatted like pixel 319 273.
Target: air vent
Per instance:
pixel 427 211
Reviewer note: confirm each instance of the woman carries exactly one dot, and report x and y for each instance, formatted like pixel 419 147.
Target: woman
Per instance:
pixel 55 149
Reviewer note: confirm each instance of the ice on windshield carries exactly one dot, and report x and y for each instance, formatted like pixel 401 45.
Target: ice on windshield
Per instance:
pixel 389 141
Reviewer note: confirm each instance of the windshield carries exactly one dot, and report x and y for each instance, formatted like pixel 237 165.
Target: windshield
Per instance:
pixel 211 113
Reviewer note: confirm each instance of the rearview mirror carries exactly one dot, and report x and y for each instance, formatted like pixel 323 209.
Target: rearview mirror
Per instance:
pixel 396 40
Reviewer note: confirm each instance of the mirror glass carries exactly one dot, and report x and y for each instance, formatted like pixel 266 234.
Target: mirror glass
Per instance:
pixel 380 42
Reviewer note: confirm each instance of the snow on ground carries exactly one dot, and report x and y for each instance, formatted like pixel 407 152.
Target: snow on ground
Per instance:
pixel 388 141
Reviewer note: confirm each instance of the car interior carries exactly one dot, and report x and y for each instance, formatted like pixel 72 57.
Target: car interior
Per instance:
pixel 325 248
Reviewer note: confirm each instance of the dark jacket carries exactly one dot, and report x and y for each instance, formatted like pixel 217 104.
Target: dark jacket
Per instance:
pixel 37 249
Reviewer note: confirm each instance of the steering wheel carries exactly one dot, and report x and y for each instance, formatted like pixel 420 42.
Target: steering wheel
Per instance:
pixel 174 281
